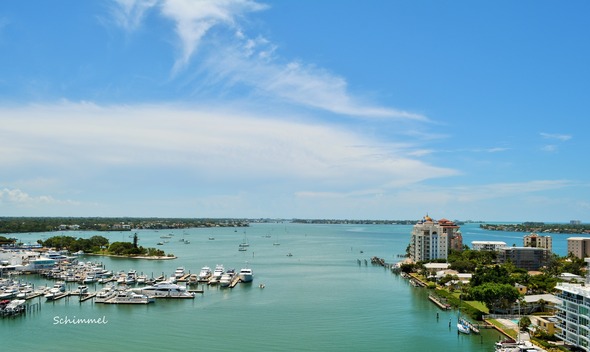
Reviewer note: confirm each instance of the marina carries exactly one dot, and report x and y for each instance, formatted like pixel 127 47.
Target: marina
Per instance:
pixel 321 292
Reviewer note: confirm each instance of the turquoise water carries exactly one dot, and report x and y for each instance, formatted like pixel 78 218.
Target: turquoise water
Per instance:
pixel 318 299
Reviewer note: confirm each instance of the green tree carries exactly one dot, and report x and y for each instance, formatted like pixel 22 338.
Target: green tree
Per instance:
pixel 524 323
pixel 496 296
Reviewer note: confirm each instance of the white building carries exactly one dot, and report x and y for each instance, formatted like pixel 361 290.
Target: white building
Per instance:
pixel 431 239
pixel 573 315
pixel 487 245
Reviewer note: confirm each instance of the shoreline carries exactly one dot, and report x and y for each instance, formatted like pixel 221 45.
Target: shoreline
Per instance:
pixel 134 257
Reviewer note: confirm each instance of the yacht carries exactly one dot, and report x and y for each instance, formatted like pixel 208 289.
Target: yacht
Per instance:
pixel 227 278
pixel 129 297
pixel 246 275
pixel 204 274
pixel 219 269
pixel 90 278
pixel 105 294
pixel 179 272
pixel 57 290
pixel 131 278
pixel 164 290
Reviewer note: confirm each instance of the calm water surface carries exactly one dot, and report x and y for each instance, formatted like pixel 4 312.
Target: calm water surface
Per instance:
pixel 318 299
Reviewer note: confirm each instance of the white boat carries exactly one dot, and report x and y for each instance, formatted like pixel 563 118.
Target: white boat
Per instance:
pixel 246 275
pixel 131 278
pixel 219 270
pixel 204 274
pixel 164 290
pixel 81 290
pixel 227 278
pixel 105 294
pixel 129 297
pixel 90 278
pixel 464 329
pixel 141 279
pixel 179 272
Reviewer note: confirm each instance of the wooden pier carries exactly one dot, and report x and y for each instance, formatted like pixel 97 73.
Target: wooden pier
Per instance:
pixel 234 281
pixel 441 305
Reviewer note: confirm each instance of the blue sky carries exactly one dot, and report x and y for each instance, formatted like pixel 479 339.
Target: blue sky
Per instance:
pixel 378 109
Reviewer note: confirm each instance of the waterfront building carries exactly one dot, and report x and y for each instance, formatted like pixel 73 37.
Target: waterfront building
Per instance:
pixel 487 245
pixel 527 258
pixel 579 246
pixel 536 241
pixel 431 239
pixel 573 315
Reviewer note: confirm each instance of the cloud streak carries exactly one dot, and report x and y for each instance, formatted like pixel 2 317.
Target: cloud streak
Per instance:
pixel 236 58
pixel 225 144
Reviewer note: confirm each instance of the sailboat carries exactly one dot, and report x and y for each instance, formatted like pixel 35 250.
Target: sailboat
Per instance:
pixel 244 244
pixel 277 243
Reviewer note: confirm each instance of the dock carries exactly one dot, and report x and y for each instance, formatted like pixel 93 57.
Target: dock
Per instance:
pixel 435 300
pixel 84 298
pixel 34 295
pixel 234 281
pixel 471 326
pixel 183 278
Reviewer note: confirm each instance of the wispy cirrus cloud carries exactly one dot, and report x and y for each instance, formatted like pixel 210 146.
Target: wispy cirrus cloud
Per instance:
pixel 236 58
pixel 560 137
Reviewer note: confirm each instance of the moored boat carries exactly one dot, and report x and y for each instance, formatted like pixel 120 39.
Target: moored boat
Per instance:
pixel 164 290
pixel 129 297
pixel 246 275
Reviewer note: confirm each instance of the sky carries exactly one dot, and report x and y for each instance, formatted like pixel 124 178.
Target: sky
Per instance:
pixel 340 109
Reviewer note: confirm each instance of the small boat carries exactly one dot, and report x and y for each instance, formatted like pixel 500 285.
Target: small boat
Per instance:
pixel 179 272
pixel 160 244
pixel 81 290
pixel 463 328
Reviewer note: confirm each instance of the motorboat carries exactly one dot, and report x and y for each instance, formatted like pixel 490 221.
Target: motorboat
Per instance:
pixel 131 278
pixel 90 278
pixel 164 289
pixel 464 329
pixel 130 297
pixel 246 275
pixel 204 274
pixel 179 272
pixel 226 278
pixel 219 270
pixel 105 294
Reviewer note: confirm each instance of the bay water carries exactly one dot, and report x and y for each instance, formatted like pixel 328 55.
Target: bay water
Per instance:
pixel 316 296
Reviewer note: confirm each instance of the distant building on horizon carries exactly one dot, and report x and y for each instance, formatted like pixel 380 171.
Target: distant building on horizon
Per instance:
pixel 536 241
pixel 431 239
pixel 575 222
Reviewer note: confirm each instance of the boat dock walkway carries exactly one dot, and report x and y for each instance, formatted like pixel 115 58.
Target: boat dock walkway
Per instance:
pixel 440 304
pixel 234 281
pixel 471 326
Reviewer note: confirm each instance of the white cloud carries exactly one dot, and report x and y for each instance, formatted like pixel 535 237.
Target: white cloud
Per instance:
pixel 251 60
pixel 19 198
pixel 225 144
pixel 560 137
pixel 130 13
